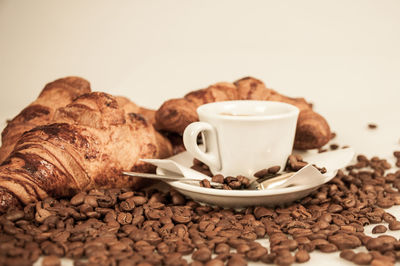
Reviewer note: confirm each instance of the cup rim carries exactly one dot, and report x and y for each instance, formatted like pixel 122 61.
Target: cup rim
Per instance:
pixel 292 111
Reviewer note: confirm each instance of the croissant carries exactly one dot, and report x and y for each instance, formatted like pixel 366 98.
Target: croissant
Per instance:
pixel 86 145
pixel 176 114
pixel 56 94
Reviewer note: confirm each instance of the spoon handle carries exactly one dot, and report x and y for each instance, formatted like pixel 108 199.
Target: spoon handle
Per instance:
pixel 164 177
pixel 167 178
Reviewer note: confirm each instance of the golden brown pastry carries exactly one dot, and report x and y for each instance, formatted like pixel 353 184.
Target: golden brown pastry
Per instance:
pixel 56 94
pixel 176 114
pixel 131 107
pixel 87 145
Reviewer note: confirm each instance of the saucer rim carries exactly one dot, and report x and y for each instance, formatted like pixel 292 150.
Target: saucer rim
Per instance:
pixel 245 193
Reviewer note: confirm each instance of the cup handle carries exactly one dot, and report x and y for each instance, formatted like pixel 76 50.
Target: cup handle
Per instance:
pixel 211 156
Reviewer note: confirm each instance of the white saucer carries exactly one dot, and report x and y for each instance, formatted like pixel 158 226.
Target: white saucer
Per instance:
pixel 245 198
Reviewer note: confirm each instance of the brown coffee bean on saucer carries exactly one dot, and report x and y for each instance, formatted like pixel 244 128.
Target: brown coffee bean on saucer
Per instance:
pixel 261 173
pixel 268 172
pixel 295 162
pixel 218 179
pixel 205 183
pixel 274 169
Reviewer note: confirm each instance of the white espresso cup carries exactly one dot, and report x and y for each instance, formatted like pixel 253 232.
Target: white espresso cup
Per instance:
pixel 242 137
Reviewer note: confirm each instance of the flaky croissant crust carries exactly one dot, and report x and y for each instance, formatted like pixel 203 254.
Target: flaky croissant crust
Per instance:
pixel 86 144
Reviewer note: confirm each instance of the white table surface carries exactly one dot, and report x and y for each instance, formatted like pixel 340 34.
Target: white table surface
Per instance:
pixel 341 55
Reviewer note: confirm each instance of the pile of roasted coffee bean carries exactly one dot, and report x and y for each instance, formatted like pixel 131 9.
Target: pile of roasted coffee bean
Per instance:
pixel 122 227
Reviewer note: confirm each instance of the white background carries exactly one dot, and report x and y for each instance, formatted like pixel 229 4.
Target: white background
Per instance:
pixel 344 56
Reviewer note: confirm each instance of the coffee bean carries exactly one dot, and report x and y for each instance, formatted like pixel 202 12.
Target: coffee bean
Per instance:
pixel 335 208
pixel 51 261
pixel 326 217
pixel 362 258
pixel 126 195
pixel 91 201
pixel 181 215
pixel 381 262
pixel 205 183
pixel 333 146
pixel 218 179
pixel 15 215
pixel 202 254
pixel 127 205
pixel 236 260
pixel 390 260
pixel 379 229
pixel 379 242
pixel 78 199
pixel 347 254
pixel 235 184
pixel 215 262
pixel 274 169
pixel 243 248
pixel 284 257
pixel 256 253
pixel 244 181
pixel 394 225
pixel 226 187
pixel 268 258
pixel 194 263
pixel 41 215
pixel 328 248
pixel 60 236
pixel 344 241
pixel 290 244
pixel 177 198
pixel 262 173
pixel 260 212
pixel 124 218
pixel 295 163
pixel 302 256
pixel 221 248
pixel 385 202
pixel 139 200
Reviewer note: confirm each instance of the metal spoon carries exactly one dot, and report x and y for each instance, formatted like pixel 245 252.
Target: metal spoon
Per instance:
pixel 272 182
pixel 257 184
pixel 168 178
